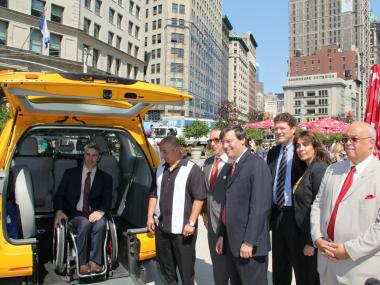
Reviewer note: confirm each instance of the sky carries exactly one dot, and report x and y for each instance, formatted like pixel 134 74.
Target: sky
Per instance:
pixel 269 26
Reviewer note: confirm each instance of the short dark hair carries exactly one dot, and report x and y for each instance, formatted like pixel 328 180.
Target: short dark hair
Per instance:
pixel 239 132
pixel 171 140
pixel 287 118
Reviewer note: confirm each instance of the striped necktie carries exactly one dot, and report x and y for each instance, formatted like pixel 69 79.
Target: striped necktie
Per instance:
pixel 281 174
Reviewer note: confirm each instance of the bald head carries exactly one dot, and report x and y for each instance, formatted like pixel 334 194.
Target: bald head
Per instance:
pixel 361 141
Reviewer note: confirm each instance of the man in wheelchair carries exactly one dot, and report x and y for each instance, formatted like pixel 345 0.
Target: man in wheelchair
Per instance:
pixel 83 198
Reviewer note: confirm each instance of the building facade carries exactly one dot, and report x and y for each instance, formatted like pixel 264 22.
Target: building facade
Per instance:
pixel 238 92
pixel 106 35
pixel 271 104
pixel 374 56
pixel 183 41
pixel 227 28
pixel 313 97
pixel 314 24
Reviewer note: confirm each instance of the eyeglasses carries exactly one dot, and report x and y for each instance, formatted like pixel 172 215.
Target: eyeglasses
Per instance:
pixel 345 139
pixel 215 140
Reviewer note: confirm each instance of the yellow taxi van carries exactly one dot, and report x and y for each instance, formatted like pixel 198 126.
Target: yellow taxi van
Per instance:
pixel 52 117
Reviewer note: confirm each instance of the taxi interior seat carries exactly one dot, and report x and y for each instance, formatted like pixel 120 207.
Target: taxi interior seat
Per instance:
pixel 110 165
pixel 22 187
pixel 62 164
pixel 41 170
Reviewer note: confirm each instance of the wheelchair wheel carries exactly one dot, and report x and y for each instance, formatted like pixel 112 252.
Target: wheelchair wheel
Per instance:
pixel 59 242
pixel 113 244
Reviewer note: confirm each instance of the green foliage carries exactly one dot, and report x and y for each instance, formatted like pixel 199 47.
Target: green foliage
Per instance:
pixel 182 140
pixel 253 134
pixel 323 137
pixel 220 125
pixel 196 130
pixel 4 115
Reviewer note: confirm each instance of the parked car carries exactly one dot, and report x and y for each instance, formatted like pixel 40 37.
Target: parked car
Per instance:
pixel 53 116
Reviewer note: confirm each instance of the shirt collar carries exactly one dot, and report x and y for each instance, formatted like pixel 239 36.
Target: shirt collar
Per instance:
pixel 289 146
pixel 183 162
pixel 362 165
pixel 224 158
pixel 237 160
pixel 85 170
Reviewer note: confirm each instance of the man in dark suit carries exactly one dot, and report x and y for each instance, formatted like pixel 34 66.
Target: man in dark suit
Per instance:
pixel 245 234
pixel 216 170
pixel 83 197
pixel 286 169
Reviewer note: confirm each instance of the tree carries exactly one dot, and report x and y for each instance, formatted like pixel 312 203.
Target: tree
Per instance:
pixel 253 134
pixel 4 115
pixel 256 116
pixel 196 130
pixel 228 114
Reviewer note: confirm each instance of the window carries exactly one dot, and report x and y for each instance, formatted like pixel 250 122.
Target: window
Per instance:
pixel 38 8
pixel 109 63
pixel 130 27
pixel 154 25
pixel 176 67
pixel 153 39
pixel 146 27
pixel 95 57
pixel 178 38
pixel 137 12
pixel 118 42
pixel 111 15
pixel 146 41
pixel 55 45
pixel 177 82
pixel 56 13
pixel 159 23
pixel 158 68
pixel 131 4
pixel 4 3
pixel 86 25
pixel 174 21
pixel 159 38
pixel 146 13
pixel 110 38
pixel 129 69
pixel 98 5
pixel 135 71
pixel 153 54
pixel 4 32
pixel 87 4
pixel 175 8
pixel 182 9
pixel 137 30
pixel 179 52
pixel 159 9
pixel 136 51
pixel 153 69
pixel 96 31
pixel 158 53
pixel 181 23
pixel 36 41
pixel 120 2
pixel 154 10
pixel 130 45
pixel 117 66
pixel 119 20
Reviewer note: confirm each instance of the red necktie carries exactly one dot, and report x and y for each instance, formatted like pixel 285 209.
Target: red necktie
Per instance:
pixel 224 214
pixel 86 193
pixel 214 172
pixel 346 185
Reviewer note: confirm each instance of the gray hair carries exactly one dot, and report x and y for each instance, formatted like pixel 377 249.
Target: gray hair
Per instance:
pixel 371 130
pixel 92 145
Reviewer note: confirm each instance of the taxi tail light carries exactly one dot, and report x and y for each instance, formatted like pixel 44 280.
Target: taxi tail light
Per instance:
pixel 31 76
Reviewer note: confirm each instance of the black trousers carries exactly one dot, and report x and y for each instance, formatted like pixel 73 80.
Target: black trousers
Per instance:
pixel 219 262
pixel 246 271
pixel 93 233
pixel 287 251
pixel 175 250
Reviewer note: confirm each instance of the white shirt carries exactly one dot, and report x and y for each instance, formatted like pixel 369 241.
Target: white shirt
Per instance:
pixel 223 160
pixel 84 176
pixel 237 160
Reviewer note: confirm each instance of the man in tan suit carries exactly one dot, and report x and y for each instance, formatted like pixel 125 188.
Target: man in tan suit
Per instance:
pixel 345 216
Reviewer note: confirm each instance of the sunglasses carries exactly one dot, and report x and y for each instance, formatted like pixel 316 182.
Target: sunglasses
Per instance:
pixel 215 140
pixel 345 139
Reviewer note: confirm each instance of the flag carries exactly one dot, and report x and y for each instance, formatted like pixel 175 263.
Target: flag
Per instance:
pixel 42 25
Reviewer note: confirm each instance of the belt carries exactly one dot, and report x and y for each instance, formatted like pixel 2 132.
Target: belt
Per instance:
pixel 283 208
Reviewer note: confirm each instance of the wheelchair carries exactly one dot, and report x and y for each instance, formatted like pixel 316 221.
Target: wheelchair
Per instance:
pixel 65 252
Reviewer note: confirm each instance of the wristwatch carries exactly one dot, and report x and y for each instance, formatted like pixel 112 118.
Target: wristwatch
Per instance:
pixel 191 223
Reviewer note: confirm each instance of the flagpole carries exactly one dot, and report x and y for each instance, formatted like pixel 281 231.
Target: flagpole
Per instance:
pixel 31 31
pixel 85 56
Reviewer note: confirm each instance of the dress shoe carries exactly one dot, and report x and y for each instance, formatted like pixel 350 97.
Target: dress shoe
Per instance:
pixel 84 269
pixel 94 267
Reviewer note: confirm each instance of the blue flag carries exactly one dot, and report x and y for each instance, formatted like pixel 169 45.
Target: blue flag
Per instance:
pixel 42 25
